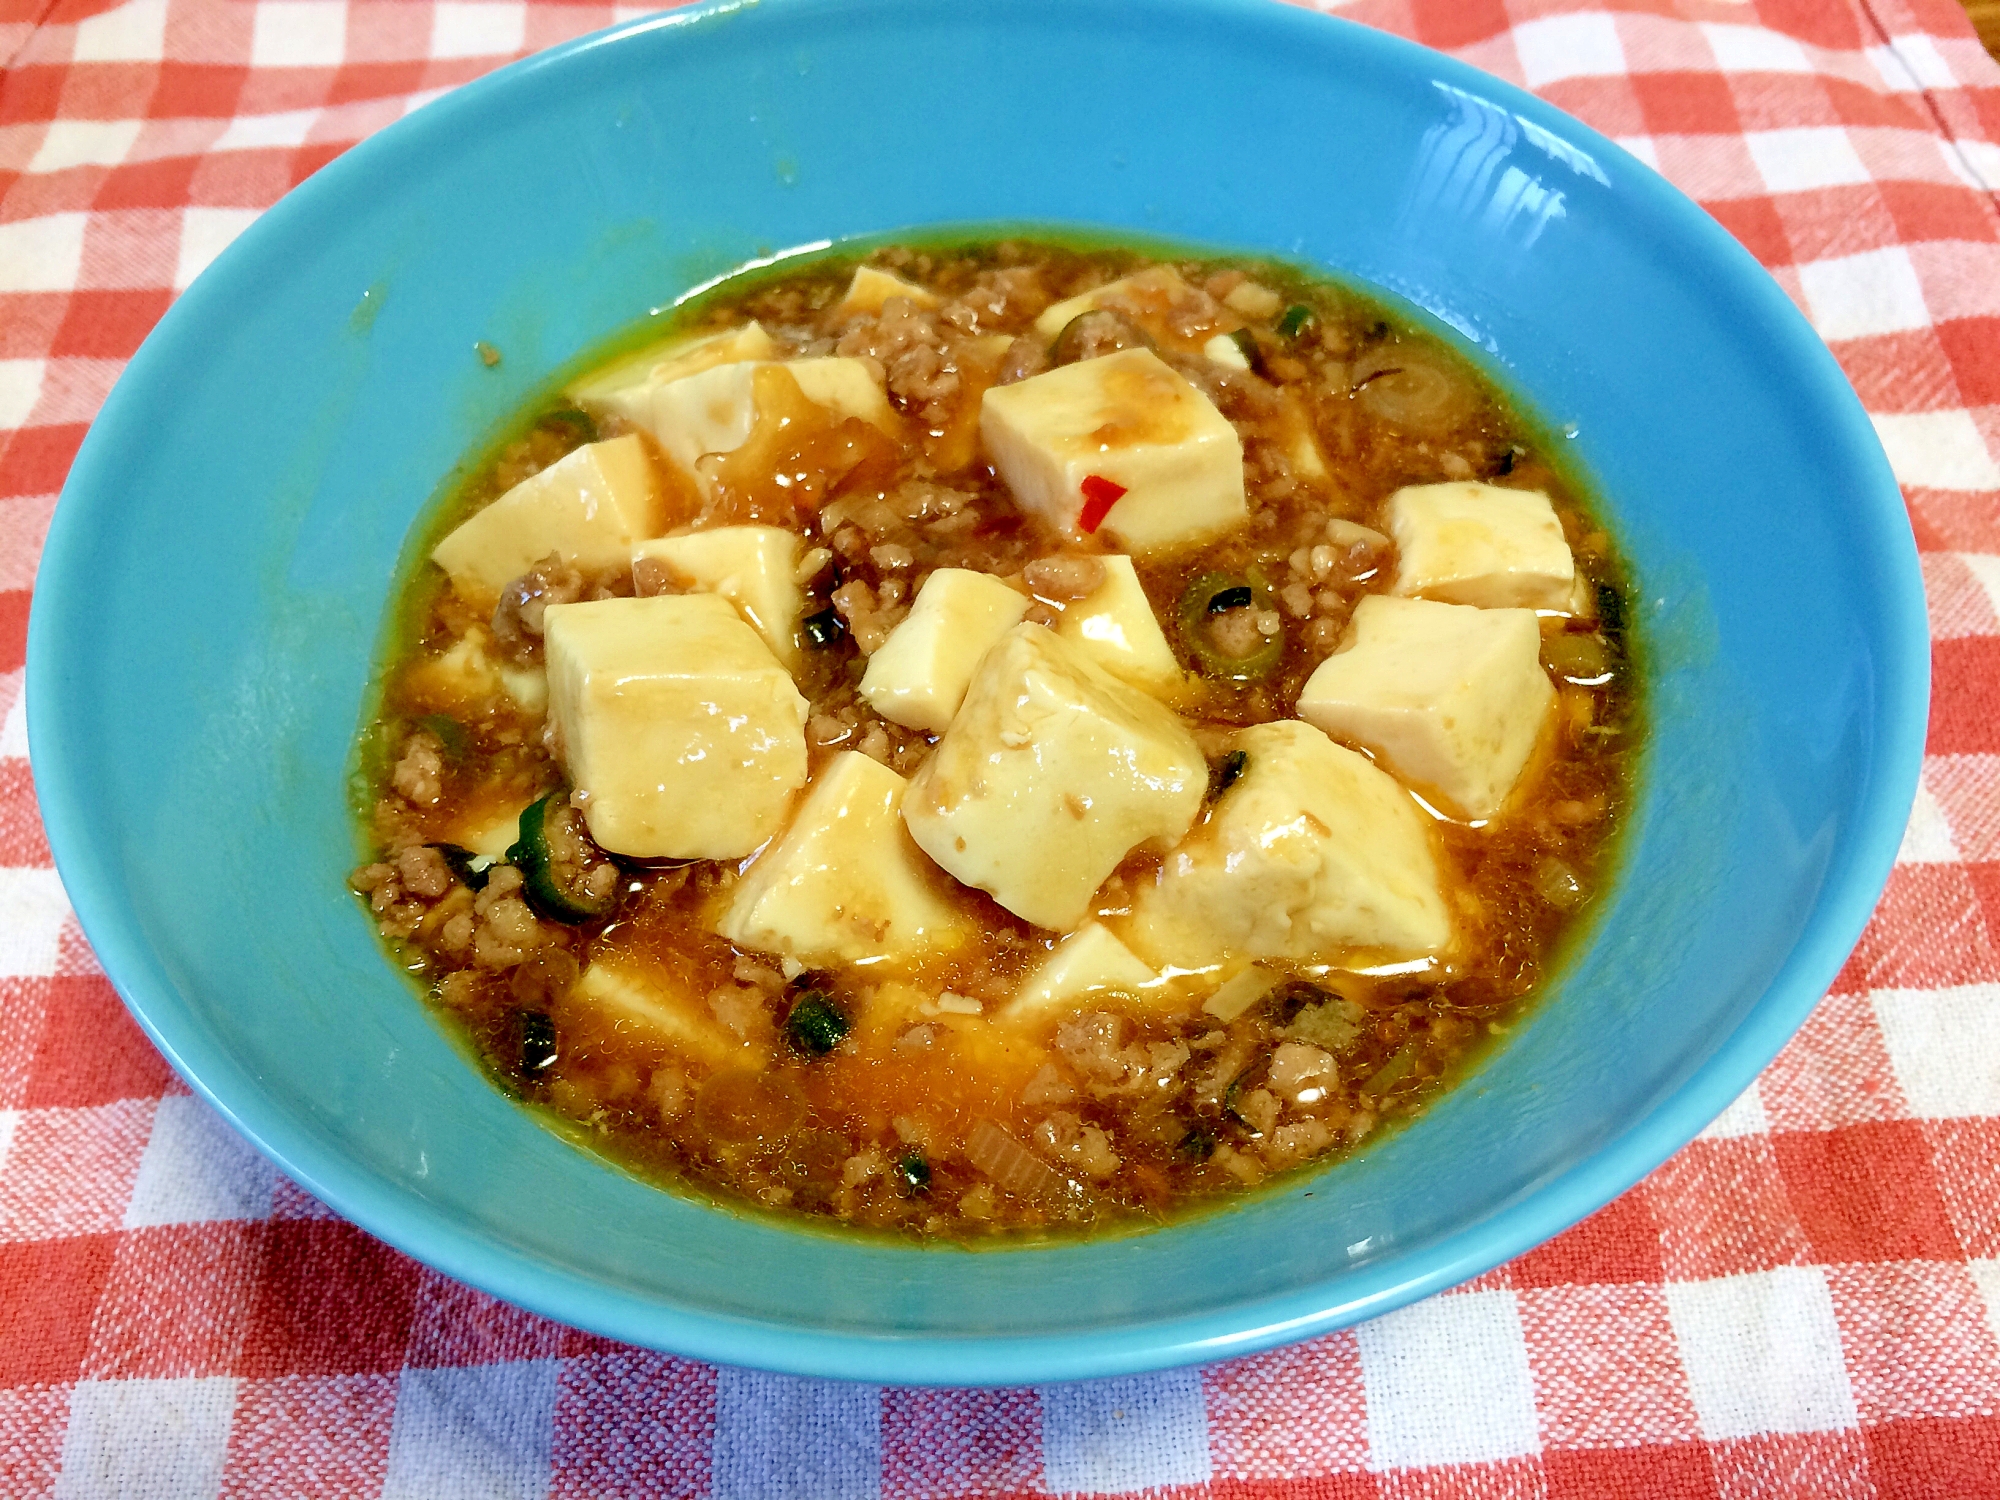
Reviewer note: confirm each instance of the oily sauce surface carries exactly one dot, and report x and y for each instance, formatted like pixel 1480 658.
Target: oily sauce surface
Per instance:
pixel 920 1116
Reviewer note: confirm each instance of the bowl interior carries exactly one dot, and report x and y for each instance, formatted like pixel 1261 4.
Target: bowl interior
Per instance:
pixel 259 466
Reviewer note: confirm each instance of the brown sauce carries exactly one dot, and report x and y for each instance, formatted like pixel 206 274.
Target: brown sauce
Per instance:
pixel 926 1116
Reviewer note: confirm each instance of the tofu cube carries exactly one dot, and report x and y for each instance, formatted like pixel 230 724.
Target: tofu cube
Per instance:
pixel 713 410
pixel 871 288
pixel 919 676
pixel 750 566
pixel 1128 419
pixel 1312 855
pixel 727 348
pixel 1224 350
pixel 624 998
pixel 1147 297
pixel 1051 773
pixel 1450 698
pixel 490 825
pixel 590 505
pixel 1468 543
pixel 846 884
pixel 1254 300
pixel 845 387
pixel 1090 961
pixel 1114 625
pixel 679 356
pixel 1301 441
pixel 684 732
pixel 461 679
pixel 527 686
pixel 466 680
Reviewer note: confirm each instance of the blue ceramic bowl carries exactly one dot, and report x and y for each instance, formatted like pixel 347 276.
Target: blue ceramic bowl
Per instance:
pixel 214 584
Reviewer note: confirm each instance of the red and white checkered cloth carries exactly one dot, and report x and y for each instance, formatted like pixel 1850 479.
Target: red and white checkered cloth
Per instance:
pixel 1804 1302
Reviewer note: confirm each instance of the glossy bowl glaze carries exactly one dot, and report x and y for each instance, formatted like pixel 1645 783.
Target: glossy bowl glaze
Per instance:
pixel 215 578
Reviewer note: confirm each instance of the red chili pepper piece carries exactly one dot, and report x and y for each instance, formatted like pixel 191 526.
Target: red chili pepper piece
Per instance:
pixel 1099 495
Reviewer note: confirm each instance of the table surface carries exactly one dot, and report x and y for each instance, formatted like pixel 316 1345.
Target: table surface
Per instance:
pixel 1804 1302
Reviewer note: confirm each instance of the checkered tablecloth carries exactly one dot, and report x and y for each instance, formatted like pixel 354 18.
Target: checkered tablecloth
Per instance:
pixel 1804 1302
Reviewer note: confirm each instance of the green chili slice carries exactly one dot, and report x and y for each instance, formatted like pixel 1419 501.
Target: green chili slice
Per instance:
pixel 558 891
pixel 1214 594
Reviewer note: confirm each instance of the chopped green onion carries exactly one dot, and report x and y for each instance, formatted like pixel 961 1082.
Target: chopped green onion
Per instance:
pixel 535 1041
pixel 1333 1024
pixel 1198 1144
pixel 578 424
pixel 448 732
pixel 1235 1090
pixel 1295 320
pixel 824 629
pixel 1396 1069
pixel 1610 610
pixel 913 1173
pixel 1226 772
pixel 815 1024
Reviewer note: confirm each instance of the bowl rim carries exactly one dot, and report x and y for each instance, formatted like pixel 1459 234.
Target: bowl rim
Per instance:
pixel 384 1209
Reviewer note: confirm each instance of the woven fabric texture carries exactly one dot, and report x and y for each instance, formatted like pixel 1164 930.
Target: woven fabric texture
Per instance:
pixel 1805 1302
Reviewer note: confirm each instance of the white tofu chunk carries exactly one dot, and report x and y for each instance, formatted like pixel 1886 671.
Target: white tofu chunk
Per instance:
pixel 1090 961
pixel 750 566
pixel 465 678
pixel 633 1001
pixel 1301 441
pixel 684 732
pixel 846 884
pixel 713 410
pixel 488 829
pixel 1224 350
pixel 461 678
pixel 1146 296
pixel 527 686
pixel 1344 533
pixel 1051 773
pixel 590 505
pixel 1450 698
pixel 1240 991
pixel 1114 625
pixel 491 839
pixel 990 348
pixel 919 676
pixel 660 363
pixel 1253 300
pixel 1313 853
pixel 1469 543
pixel 846 387
pixel 871 288
pixel 1128 419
